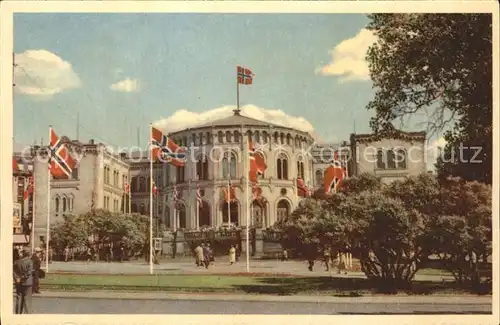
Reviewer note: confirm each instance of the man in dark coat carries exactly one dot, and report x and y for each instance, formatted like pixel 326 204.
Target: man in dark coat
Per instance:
pixel 37 265
pixel 23 279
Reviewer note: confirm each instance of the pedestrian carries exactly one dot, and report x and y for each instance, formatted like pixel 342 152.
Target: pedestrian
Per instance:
pixel 122 253
pixel 232 255
pixel 37 269
pixel 342 265
pixel 23 279
pixel 206 255
pixel 198 251
pixel 327 258
pixel 51 254
pixel 66 254
pixel 89 254
pixel 310 256
pixel 285 255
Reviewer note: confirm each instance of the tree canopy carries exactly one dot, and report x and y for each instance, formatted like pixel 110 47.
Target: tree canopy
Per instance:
pixel 439 64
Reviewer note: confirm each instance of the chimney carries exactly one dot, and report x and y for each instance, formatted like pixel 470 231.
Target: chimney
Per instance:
pixel 91 141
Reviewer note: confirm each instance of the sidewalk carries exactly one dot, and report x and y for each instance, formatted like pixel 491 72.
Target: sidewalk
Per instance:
pixel 392 299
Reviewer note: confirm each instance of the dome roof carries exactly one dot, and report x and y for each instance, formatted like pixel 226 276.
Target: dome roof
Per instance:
pixel 236 120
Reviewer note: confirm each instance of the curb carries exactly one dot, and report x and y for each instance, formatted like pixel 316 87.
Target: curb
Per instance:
pixel 372 299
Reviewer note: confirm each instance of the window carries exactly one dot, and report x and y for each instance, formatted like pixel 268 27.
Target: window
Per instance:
pixel 236 136
pixel 289 139
pixel 133 186
pixel 319 177
pixel 283 210
pixel 401 158
pixel 64 206
pixel 228 136
pixel 264 137
pixel 142 184
pixel 208 138
pixel 282 167
pixel 300 169
pixel 276 136
pixel 57 204
pixel 297 141
pixel 229 166
pixel 220 137
pixel 380 160
pixel 193 139
pixel 257 137
pixel 202 168
pixel 282 138
pixel 180 174
pixel 391 162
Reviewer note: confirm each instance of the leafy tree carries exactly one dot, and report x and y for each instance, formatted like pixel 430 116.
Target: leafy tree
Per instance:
pixel 70 232
pixel 439 64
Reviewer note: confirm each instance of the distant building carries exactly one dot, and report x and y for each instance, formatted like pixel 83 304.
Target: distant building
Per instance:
pixel 23 209
pixel 97 183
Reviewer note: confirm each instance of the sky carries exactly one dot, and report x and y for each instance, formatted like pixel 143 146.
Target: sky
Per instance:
pixel 120 72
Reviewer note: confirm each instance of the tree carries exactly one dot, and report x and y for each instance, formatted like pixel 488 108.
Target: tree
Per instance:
pixel 70 232
pixel 439 64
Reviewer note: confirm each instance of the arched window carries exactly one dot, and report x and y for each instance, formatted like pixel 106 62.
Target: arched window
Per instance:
pixel 289 139
pixel 208 139
pixel 64 205
pixel 380 160
pixel 297 141
pixel 229 165
pixel 300 169
pixel 276 137
pixel 142 184
pixel 401 158
pixel 193 139
pixel 220 137
pixel 249 135
pixel 202 139
pixel 228 137
pixel 282 138
pixel 264 137
pixel 236 136
pixel 283 210
pixel 319 177
pixel 282 167
pixel 202 168
pixel 257 136
pixel 185 141
pixel 391 161
pixel 71 201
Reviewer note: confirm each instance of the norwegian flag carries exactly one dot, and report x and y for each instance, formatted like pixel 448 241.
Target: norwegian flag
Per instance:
pixel 244 76
pixel 126 188
pixel 61 163
pixel 229 192
pixel 155 189
pixel 164 149
pixel 302 189
pixel 257 163
pixel 15 165
pixel 256 191
pixel 199 196
pixel 334 175
pixel 175 194
pixel 29 189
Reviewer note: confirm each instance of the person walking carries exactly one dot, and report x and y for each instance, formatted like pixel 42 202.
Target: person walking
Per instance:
pixel 198 252
pixel 37 269
pixel 66 254
pixel 327 257
pixel 23 279
pixel 206 255
pixel 285 255
pixel 232 255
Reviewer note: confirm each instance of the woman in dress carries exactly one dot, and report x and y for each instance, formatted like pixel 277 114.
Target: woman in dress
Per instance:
pixel 232 255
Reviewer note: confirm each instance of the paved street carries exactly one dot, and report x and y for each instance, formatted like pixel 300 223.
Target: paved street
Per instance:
pixel 186 266
pixel 198 304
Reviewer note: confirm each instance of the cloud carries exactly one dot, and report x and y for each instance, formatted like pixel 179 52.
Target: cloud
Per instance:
pixel 42 73
pixel 126 85
pixel 183 119
pixel 348 58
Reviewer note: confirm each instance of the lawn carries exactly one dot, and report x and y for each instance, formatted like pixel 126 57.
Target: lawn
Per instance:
pixel 238 284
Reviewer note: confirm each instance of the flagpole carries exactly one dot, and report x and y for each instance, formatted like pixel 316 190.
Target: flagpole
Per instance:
pixel 151 202
pixel 129 198
pixel 237 93
pixel 47 235
pixel 248 213
pixel 33 216
pixel 229 194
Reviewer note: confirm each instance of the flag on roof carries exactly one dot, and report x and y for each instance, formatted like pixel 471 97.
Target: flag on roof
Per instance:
pixel 244 76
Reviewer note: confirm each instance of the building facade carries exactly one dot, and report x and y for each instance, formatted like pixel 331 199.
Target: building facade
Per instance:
pixel 218 154
pixel 96 183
